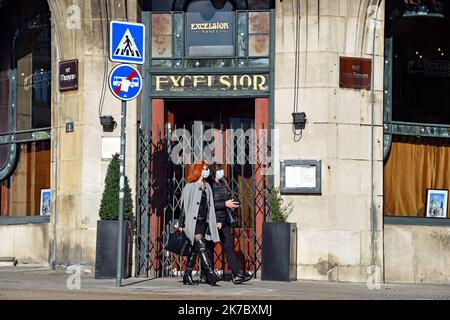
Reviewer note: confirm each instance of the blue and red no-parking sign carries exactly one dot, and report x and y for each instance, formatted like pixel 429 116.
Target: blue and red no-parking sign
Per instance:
pixel 125 82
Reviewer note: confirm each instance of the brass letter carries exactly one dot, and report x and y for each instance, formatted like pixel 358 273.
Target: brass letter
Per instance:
pixel 175 81
pixel 159 80
pixel 235 82
pixel 199 79
pixel 248 85
pixel 210 81
pixel 261 86
pixel 183 81
pixel 225 80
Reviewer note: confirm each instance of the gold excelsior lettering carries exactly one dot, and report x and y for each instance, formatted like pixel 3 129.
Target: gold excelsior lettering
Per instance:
pixel 179 83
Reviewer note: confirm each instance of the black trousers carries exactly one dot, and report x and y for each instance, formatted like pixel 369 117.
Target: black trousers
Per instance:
pixel 226 239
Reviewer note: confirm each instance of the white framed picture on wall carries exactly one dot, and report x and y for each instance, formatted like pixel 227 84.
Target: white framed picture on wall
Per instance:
pixel 46 198
pixel 437 203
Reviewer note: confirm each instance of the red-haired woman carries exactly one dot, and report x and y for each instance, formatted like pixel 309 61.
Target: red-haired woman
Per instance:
pixel 198 221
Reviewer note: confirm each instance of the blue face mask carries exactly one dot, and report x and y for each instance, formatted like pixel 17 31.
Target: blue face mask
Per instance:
pixel 220 174
pixel 205 173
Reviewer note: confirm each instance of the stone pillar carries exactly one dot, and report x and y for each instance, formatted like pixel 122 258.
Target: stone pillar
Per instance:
pixel 81 32
pixel 334 228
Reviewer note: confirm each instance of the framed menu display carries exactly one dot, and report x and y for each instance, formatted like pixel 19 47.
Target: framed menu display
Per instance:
pixel 301 177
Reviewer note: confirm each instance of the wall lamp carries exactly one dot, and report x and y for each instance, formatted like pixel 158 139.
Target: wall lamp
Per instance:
pixel 299 120
pixel 108 123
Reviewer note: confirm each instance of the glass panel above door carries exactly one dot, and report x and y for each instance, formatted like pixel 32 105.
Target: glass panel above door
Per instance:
pixel 162 35
pixel 209 32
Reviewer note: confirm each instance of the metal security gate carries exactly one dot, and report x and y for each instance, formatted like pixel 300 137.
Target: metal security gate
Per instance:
pixel 164 156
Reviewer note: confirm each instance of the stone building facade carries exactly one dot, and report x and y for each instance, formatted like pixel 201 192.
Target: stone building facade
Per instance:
pixel 345 232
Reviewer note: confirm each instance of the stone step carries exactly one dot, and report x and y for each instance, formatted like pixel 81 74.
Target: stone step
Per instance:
pixel 8 262
pixel 7 259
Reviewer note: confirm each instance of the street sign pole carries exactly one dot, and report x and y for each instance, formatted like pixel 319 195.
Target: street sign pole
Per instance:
pixel 126 45
pixel 120 243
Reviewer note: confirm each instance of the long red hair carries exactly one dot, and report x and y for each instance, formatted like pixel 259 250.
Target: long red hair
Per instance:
pixel 195 171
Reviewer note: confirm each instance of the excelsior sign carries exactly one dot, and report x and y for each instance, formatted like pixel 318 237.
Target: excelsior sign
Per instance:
pixel 210 27
pixel 210 32
pixel 196 83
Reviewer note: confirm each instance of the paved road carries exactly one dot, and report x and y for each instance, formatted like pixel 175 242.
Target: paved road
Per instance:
pixel 41 283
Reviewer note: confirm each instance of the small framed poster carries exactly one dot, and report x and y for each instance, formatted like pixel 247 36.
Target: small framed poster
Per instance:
pixel 110 146
pixel 437 203
pixel 301 177
pixel 46 199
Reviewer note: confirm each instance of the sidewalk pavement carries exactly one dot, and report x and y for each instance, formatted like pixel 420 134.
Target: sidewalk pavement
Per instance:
pixel 44 284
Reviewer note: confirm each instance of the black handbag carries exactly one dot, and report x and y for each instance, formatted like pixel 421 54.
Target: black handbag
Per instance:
pixel 179 243
pixel 231 218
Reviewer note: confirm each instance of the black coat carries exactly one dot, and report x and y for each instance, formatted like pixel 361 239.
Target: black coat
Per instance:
pixel 220 195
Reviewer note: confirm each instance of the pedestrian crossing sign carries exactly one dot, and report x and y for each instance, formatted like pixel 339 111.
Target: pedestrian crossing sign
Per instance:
pixel 127 42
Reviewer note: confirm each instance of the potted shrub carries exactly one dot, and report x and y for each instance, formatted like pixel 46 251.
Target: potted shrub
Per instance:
pixel 279 241
pixel 108 226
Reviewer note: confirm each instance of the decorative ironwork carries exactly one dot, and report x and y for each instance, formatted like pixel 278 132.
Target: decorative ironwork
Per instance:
pixel 143 206
pixel 161 181
pixel 417 129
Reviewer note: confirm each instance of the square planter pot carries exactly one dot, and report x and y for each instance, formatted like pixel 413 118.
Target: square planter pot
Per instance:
pixel 106 251
pixel 279 251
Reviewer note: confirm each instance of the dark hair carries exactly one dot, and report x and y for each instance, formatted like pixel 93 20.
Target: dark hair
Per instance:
pixel 213 169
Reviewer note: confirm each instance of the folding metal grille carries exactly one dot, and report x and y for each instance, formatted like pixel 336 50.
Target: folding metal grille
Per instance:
pixel 161 181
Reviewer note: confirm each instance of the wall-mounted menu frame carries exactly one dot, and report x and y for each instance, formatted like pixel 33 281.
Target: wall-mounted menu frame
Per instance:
pixel 301 177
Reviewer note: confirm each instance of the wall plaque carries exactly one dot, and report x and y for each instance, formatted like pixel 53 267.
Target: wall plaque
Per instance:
pixel 355 73
pixel 68 75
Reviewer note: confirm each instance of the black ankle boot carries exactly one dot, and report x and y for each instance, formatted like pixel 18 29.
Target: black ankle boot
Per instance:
pixel 190 262
pixel 187 278
pixel 211 277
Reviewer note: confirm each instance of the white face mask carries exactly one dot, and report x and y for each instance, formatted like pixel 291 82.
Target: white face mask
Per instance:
pixel 205 173
pixel 220 174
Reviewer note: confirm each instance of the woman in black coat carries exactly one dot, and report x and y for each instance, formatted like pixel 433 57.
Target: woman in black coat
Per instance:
pixel 222 203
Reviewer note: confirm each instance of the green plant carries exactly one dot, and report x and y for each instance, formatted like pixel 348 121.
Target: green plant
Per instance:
pixel 278 210
pixel 109 206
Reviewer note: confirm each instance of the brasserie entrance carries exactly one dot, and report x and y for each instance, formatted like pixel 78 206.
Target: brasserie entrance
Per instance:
pixel 208 91
pixel 232 132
